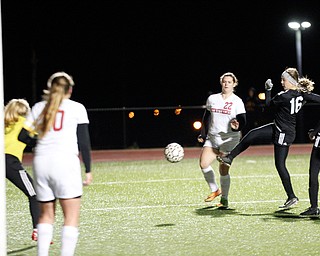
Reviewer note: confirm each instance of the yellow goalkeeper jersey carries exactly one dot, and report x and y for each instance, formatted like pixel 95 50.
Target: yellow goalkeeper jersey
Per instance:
pixel 12 145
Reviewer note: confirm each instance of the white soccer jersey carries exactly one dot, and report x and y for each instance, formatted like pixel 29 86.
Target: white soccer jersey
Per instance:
pixel 63 136
pixel 56 165
pixel 222 112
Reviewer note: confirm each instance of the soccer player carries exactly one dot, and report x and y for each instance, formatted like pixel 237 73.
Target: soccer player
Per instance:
pixel 282 131
pixel 314 168
pixel 224 117
pixel 14 117
pixel 62 128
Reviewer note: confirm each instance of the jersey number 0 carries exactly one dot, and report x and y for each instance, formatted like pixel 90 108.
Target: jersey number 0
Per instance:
pixel 57 126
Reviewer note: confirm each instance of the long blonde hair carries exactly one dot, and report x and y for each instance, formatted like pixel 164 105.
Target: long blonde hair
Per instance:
pixel 59 85
pixel 304 84
pixel 14 109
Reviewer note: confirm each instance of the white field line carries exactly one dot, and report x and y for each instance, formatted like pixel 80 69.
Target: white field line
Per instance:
pixel 184 205
pixel 190 205
pixel 202 205
pixel 194 179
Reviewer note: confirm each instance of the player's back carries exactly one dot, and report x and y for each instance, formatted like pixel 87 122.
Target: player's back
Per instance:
pixel 288 104
pixel 62 137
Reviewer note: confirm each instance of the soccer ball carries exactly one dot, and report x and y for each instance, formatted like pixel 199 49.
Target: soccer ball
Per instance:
pixel 174 152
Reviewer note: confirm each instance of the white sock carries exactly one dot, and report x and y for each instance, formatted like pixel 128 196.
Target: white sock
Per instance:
pixel 225 185
pixel 208 174
pixel 69 239
pixel 45 233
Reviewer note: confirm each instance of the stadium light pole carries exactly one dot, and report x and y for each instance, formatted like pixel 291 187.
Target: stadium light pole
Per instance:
pixel 298 27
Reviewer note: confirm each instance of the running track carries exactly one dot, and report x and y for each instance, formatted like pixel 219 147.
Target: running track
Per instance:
pixel 157 153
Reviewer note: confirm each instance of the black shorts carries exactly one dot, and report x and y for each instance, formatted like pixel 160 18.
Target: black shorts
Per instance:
pixel 18 175
pixel 282 138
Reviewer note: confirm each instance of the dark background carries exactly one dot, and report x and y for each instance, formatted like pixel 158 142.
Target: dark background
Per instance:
pixel 152 53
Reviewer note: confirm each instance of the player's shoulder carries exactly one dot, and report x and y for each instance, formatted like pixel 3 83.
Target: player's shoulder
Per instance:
pixel 289 93
pixel 74 106
pixel 73 103
pixel 310 94
pixel 21 119
pixel 237 98
pixel 312 97
pixel 213 98
pixel 38 106
pixel 214 95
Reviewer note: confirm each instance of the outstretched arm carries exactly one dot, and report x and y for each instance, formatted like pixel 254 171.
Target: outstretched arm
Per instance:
pixel 268 86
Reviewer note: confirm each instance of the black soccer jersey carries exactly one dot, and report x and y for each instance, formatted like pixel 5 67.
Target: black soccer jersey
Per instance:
pixel 287 104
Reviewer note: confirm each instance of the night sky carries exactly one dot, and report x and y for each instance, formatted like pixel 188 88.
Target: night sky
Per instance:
pixel 152 53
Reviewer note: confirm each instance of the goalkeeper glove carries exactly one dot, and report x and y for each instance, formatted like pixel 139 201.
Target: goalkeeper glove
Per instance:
pixel 268 84
pixel 312 134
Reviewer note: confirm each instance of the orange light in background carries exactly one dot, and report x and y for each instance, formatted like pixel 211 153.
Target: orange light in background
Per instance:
pixel 177 111
pixel 197 125
pixel 131 114
pixel 156 112
pixel 262 96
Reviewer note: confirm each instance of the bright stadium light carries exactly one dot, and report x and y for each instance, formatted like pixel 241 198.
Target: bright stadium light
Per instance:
pixel 177 111
pixel 131 114
pixel 305 24
pixel 197 125
pixel 262 96
pixel 156 112
pixel 297 27
pixel 294 25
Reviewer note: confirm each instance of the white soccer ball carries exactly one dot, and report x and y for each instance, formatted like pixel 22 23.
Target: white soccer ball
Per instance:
pixel 174 152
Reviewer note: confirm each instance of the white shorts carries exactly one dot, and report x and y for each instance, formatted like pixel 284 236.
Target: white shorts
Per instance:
pixel 222 144
pixel 57 176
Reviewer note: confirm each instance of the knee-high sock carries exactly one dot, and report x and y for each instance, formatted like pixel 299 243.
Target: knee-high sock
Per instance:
pixel 45 233
pixel 225 186
pixel 208 174
pixel 69 239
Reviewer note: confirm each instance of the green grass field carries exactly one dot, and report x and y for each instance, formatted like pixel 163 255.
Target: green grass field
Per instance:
pixel 157 208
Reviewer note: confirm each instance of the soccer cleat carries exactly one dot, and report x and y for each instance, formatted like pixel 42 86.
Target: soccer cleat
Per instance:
pixel 223 203
pixel 224 160
pixel 34 235
pixel 213 195
pixel 289 203
pixel 311 212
